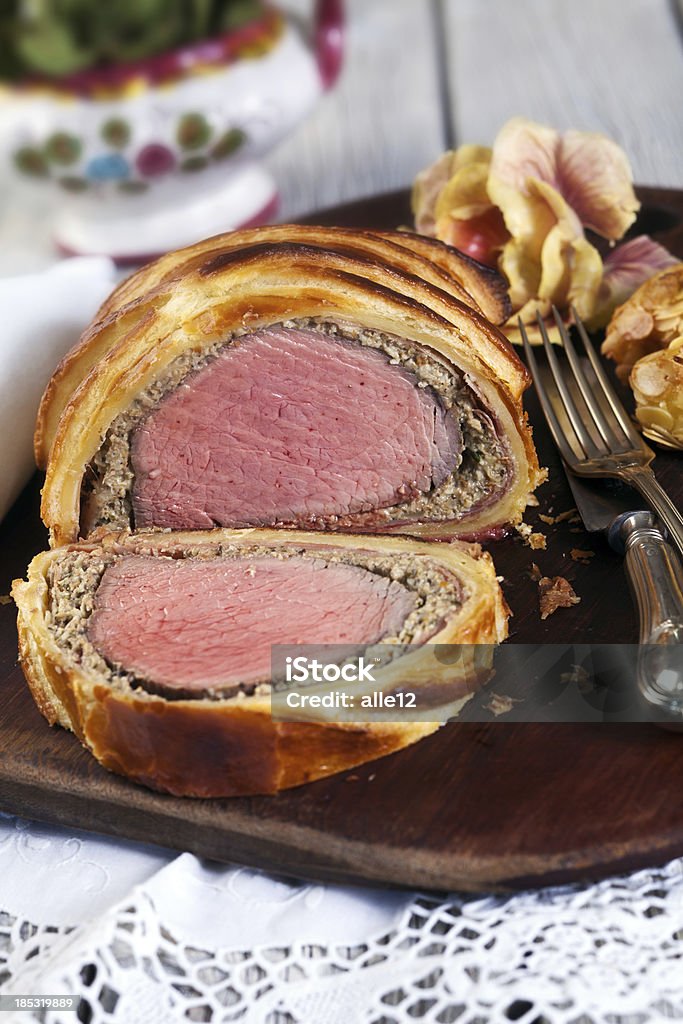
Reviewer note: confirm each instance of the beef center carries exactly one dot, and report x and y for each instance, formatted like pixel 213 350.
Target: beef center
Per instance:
pixel 303 423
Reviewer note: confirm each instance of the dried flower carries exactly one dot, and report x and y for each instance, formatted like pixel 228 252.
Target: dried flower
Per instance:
pixel 451 202
pixel 524 206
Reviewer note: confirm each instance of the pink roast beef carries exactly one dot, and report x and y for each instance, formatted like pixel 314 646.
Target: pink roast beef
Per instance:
pixel 289 425
pixel 191 625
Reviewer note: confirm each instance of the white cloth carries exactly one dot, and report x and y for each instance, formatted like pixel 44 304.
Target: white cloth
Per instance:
pixel 63 877
pixel 148 937
pixel 42 317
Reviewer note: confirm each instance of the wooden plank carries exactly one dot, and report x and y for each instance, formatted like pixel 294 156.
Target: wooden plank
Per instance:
pixel 382 122
pixel 479 804
pixel 607 65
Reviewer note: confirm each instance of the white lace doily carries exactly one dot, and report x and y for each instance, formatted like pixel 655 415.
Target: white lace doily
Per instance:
pixel 276 952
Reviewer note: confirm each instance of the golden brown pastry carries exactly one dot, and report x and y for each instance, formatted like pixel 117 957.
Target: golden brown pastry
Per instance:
pixel 648 321
pixel 155 649
pixel 657 382
pixel 438 264
pixel 310 378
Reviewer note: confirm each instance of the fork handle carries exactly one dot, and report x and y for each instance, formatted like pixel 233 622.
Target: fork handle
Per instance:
pixel 645 481
pixel 654 571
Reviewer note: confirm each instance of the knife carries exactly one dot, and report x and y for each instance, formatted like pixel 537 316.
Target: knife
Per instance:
pixel 655 574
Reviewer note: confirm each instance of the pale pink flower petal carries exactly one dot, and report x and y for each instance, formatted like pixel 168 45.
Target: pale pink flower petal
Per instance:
pixel 455 184
pixel 626 267
pixel 632 262
pixel 426 189
pixel 595 178
pixel 523 150
pixel 549 259
pixel 464 196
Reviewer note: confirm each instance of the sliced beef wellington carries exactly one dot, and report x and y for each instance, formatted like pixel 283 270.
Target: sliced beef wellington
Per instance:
pixel 155 649
pixel 440 265
pixel 303 378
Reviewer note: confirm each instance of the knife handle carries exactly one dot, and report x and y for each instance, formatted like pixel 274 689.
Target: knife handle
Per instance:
pixel 646 482
pixel 655 573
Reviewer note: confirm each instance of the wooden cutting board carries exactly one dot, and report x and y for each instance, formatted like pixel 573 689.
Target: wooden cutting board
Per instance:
pixel 477 806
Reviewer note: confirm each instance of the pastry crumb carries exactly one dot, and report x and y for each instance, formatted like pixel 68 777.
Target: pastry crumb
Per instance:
pixel 5 599
pixel 571 515
pixel 579 677
pixel 579 555
pixel 548 520
pixel 535 573
pixel 554 593
pixel 500 703
pixel 536 541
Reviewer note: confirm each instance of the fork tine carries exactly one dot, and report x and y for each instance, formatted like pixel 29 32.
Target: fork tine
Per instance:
pixel 606 385
pixel 573 415
pixel 558 434
pixel 606 429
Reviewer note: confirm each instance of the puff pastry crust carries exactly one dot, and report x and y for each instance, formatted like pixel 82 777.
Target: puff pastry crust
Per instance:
pixel 401 284
pixel 225 747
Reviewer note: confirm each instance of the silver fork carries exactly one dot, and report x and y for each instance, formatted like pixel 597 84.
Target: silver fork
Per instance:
pixel 605 443
pixel 596 438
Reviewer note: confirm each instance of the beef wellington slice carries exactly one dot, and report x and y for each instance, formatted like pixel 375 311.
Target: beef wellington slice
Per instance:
pixel 306 378
pixel 155 649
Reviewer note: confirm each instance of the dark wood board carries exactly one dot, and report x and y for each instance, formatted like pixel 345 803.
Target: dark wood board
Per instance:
pixel 477 806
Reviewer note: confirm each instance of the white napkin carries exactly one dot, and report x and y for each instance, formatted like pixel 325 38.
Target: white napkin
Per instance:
pixel 42 315
pixel 51 875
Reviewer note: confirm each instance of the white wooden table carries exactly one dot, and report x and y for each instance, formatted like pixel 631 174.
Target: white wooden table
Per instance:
pixel 423 75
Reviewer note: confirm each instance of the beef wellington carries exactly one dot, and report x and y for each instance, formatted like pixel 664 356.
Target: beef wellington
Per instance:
pixel 155 648
pixel 293 377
